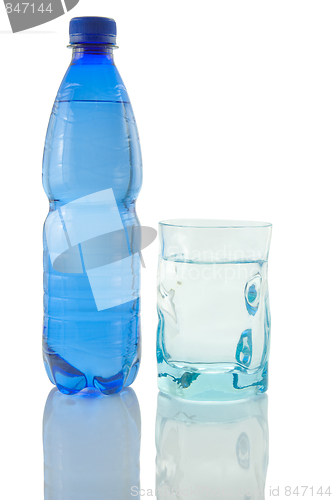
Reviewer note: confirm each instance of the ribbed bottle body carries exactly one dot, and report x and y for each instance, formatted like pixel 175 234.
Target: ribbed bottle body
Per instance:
pixel 92 176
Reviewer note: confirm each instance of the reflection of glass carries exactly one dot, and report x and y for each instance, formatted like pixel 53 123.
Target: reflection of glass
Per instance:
pixel 209 451
pixel 91 446
pixel 213 306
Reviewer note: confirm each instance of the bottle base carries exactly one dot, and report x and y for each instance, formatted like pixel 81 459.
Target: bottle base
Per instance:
pixel 70 380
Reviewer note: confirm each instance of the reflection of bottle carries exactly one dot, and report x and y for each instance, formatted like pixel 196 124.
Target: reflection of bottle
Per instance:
pixel 215 450
pixel 91 446
pixel 92 177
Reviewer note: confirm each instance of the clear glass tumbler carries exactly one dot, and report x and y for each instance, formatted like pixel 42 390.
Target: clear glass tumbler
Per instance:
pixel 213 306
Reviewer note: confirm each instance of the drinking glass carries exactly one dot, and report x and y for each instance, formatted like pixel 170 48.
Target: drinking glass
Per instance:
pixel 213 306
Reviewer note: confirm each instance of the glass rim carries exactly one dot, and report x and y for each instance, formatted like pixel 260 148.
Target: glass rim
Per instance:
pixel 213 224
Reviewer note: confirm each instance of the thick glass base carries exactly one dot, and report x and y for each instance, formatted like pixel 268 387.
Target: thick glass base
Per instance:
pixel 200 383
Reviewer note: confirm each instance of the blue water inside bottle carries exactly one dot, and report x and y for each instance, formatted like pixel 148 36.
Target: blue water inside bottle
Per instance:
pixel 92 175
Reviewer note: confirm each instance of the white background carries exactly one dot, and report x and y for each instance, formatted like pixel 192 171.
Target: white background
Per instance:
pixel 233 101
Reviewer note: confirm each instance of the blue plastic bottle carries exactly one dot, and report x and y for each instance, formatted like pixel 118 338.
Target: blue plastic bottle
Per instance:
pixel 92 175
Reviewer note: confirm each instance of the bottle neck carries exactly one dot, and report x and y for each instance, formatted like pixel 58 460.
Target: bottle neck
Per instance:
pixel 92 54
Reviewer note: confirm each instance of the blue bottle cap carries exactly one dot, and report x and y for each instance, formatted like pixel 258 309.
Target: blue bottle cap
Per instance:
pixel 92 30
